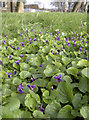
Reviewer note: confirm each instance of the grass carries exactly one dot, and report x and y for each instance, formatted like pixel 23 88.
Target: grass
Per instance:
pixel 42 21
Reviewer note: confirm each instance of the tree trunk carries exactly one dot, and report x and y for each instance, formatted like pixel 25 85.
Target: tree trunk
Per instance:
pixel 11 6
pixel 20 7
pixel 77 5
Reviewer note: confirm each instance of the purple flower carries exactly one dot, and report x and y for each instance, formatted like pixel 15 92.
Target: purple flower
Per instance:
pixel 46 40
pixel 32 79
pixel 57 53
pixel 55 33
pixel 52 51
pixel 58 32
pixel 21 56
pixel 79 38
pixel 80 48
pixel 62 48
pixel 0 62
pixel 26 30
pixel 5 35
pixel 19 88
pixel 8 74
pixel 41 65
pixel 15 72
pixel 85 51
pixel 74 41
pixel 85 58
pixel 30 42
pixel 4 42
pixel 6 47
pixel 24 38
pixel 66 39
pixel 79 73
pixel 11 46
pixel 34 39
pixel 50 33
pixel 17 48
pixel 52 87
pixel 22 43
pixel 74 45
pixel 17 62
pixel 58 78
pixel 71 39
pixel 31 87
pixel 86 42
pixel 30 39
pixel 21 34
pixel 31 30
pixel 85 34
pixel 10 57
pixel 68 44
pixel 41 108
pixel 40 32
pixel 57 38
pixel 75 32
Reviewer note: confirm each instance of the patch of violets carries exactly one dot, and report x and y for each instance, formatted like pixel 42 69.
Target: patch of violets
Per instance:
pixel 58 78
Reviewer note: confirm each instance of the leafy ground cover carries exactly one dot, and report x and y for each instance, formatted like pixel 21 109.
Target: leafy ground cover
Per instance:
pixel 44 75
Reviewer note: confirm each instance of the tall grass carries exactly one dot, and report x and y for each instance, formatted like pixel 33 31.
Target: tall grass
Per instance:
pixel 12 22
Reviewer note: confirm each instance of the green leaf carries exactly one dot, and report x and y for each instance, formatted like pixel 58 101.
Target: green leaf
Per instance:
pixel 24 74
pixel 46 49
pixel 38 114
pixel 13 104
pixel 85 72
pixel 65 112
pixel 30 102
pixel 24 66
pixel 67 79
pixel 84 111
pixel 76 100
pixel 72 71
pixel 6 113
pixel 82 63
pixel 25 114
pixel 35 96
pixel 16 80
pixel 65 93
pixel 66 60
pixel 40 82
pixel 52 109
pixel 35 61
pixel 49 71
pixel 83 84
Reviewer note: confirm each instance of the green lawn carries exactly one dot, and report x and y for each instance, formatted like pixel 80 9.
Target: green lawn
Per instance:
pixel 39 21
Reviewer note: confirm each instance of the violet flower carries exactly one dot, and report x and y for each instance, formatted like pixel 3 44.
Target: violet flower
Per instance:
pixel 31 30
pixel 34 39
pixel 22 43
pixel 21 56
pixel 0 62
pixel 46 40
pixel 32 79
pixel 6 47
pixel 8 74
pixel 10 57
pixel 19 88
pixel 26 30
pixel 21 34
pixel 5 35
pixel 41 65
pixel 52 51
pixel 17 62
pixel 58 78
pixel 57 32
pixel 40 32
pixel 11 46
pixel 80 48
pixel 41 108
pixel 31 87
pixel 68 44
pixel 15 72
pixel 17 48
pixel 4 42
